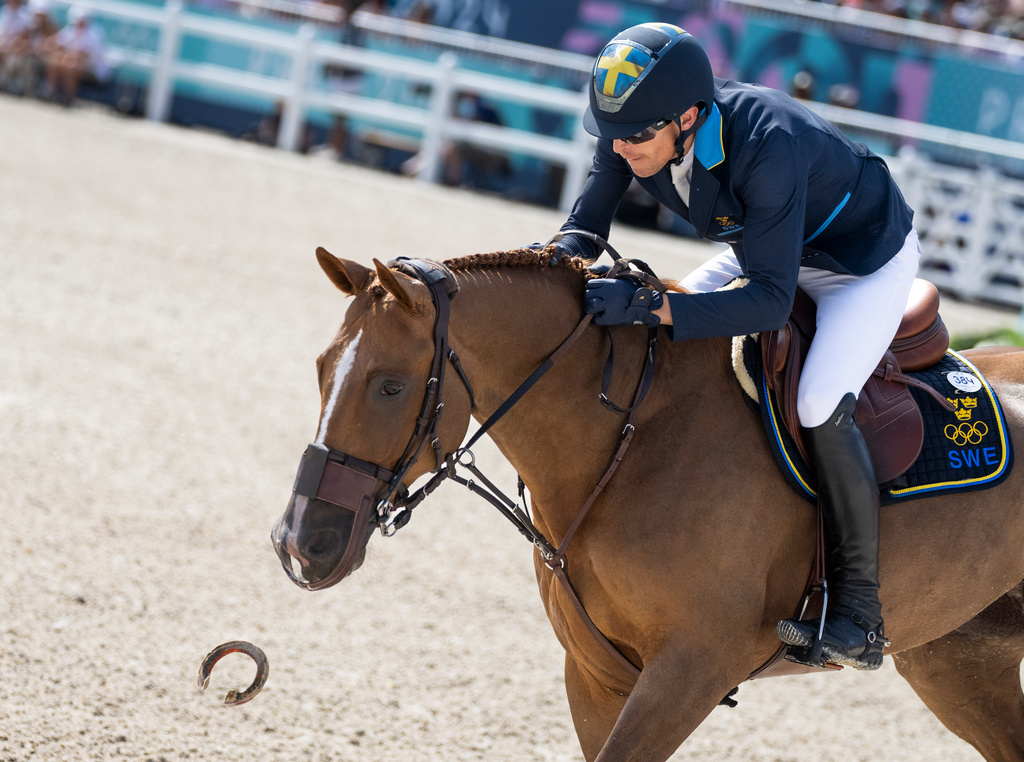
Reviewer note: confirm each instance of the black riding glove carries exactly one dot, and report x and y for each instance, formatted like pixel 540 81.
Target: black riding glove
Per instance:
pixel 619 301
pixel 561 250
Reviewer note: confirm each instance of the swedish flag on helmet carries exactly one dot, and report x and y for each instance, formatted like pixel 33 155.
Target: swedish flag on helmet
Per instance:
pixel 646 73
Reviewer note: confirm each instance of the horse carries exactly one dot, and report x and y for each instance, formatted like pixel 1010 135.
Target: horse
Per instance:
pixel 696 547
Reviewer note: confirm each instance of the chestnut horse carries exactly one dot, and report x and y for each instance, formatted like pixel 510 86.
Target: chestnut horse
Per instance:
pixel 697 546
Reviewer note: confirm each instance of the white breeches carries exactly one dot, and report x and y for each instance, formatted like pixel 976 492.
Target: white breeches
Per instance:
pixel 858 316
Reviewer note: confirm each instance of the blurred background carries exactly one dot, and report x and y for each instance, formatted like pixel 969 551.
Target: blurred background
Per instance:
pixel 161 310
pixel 487 94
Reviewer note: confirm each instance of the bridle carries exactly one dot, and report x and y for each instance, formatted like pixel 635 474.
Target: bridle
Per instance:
pixel 377 495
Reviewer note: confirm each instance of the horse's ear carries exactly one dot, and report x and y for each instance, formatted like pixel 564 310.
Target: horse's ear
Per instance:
pixel 399 285
pixel 349 277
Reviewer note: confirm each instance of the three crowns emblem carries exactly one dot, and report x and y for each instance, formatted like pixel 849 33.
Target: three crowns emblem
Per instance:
pixel 963 408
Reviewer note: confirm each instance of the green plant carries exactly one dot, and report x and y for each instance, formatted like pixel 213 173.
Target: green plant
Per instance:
pixel 1000 337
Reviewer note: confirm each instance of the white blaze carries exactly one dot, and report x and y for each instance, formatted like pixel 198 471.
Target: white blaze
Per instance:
pixel 348 358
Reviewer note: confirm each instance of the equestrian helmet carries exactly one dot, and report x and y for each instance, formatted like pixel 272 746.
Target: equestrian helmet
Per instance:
pixel 646 73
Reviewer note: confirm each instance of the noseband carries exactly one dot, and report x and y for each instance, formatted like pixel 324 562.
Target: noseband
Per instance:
pixel 377 495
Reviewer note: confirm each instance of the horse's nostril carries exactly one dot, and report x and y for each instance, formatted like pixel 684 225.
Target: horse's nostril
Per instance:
pixel 322 542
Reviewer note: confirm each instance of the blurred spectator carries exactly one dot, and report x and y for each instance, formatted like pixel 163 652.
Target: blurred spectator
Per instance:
pixel 464 164
pixel 803 85
pixel 422 12
pixel 471 166
pixel 969 14
pixel 337 146
pixel 76 55
pixel 269 127
pixel 1000 17
pixel 844 95
pixel 23 63
pixel 14 20
pixel 380 7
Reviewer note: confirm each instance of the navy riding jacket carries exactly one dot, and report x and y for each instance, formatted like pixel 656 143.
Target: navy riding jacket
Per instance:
pixel 779 184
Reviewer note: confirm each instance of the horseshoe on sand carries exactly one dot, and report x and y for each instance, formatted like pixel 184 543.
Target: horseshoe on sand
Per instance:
pixel 234 698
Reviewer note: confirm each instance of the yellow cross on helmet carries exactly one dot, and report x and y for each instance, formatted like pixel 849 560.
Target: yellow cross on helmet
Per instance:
pixel 647 73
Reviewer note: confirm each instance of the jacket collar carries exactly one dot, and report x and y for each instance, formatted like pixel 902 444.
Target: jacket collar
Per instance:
pixel 708 146
pixel 708 152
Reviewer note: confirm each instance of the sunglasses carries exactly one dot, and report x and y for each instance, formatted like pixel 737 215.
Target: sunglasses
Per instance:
pixel 647 133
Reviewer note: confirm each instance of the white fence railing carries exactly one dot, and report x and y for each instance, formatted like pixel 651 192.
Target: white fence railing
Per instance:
pixel 436 124
pixel 971 221
pixel 971 224
pixel 880 24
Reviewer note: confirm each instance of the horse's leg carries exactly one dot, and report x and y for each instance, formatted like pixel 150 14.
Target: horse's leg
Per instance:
pixel 673 695
pixel 594 708
pixel 970 678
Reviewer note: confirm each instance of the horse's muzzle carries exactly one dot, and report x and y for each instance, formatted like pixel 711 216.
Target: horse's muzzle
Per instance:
pixel 322 535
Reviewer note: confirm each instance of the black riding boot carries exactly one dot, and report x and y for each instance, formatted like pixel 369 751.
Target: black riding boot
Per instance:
pixel 848 492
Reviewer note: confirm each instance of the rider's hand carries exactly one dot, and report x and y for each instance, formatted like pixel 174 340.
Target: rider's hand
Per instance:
pixel 618 301
pixel 561 250
pixel 570 245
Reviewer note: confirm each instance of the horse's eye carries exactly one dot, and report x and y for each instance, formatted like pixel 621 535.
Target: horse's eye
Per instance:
pixel 390 389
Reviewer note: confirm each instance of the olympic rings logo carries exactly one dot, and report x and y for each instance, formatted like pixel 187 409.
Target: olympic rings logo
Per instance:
pixel 966 433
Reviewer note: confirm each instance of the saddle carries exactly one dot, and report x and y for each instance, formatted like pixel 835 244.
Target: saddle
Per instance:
pixel 887 414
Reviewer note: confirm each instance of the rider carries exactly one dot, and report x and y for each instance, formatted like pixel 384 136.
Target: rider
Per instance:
pixel 799 204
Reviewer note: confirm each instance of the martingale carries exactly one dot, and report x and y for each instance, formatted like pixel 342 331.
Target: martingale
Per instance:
pixel 968 448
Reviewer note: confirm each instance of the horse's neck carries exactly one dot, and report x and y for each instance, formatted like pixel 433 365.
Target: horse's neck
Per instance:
pixel 506 322
pixel 512 319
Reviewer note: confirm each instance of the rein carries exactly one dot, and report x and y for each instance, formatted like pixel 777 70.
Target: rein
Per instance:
pixel 377 496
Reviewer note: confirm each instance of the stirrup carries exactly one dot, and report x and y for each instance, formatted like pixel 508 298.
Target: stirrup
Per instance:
pixel 813 652
pixel 807 647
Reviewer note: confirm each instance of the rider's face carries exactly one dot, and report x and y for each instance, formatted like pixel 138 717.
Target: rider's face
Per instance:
pixel 646 159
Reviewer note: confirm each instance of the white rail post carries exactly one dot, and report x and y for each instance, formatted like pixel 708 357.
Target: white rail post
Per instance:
pixel 972 276
pixel 161 85
pixel 441 97
pixel 907 168
pixel 291 120
pixel 578 165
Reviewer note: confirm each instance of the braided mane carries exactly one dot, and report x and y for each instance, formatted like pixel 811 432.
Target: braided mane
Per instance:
pixel 514 258
pixel 533 258
pixel 540 258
